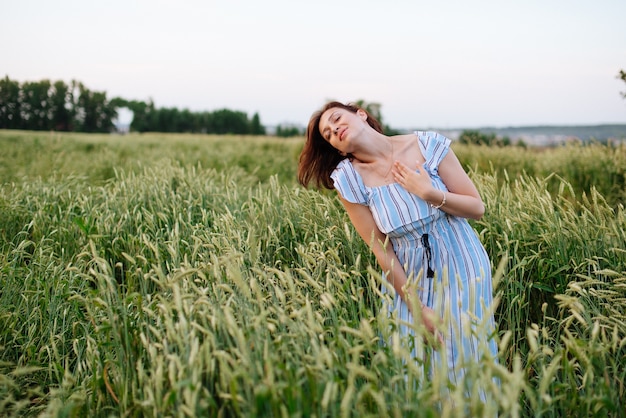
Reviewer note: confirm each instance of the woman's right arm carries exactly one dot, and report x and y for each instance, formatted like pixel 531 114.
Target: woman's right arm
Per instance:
pixel 363 221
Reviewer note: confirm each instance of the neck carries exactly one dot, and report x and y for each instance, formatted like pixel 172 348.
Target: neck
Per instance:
pixel 374 148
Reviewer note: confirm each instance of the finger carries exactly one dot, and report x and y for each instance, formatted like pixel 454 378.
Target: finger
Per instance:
pixel 403 167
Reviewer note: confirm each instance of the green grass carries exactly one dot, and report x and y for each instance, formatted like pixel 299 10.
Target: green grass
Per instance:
pixel 180 275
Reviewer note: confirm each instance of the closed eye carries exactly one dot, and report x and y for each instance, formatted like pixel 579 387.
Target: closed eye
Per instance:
pixel 327 131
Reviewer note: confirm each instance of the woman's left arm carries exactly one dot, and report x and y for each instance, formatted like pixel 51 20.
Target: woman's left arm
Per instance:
pixel 462 198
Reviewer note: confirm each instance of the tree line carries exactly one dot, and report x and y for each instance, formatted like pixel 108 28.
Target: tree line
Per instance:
pixel 59 106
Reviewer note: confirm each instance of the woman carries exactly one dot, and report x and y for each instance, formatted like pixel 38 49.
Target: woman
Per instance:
pixel 411 192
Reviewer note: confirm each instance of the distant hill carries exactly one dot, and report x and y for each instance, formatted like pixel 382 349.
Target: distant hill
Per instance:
pixel 550 135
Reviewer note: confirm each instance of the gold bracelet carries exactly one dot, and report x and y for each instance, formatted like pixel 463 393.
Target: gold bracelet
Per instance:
pixel 443 202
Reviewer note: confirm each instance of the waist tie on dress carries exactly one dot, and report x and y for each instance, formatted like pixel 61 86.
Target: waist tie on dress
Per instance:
pixel 429 272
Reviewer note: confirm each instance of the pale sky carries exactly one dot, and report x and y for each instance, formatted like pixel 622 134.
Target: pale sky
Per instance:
pixel 436 64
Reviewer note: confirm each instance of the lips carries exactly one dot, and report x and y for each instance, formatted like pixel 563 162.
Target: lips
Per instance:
pixel 342 133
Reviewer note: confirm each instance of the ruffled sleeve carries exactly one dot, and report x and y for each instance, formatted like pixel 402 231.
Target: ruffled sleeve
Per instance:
pixel 349 183
pixel 434 147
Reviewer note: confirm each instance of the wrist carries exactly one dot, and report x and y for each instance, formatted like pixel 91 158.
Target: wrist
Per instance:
pixel 439 201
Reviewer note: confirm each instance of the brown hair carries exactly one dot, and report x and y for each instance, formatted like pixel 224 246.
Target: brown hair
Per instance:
pixel 318 158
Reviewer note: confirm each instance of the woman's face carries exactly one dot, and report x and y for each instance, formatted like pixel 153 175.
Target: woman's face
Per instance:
pixel 340 126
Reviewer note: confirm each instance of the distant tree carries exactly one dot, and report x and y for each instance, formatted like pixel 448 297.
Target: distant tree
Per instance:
pixel 141 115
pixel 204 121
pixel 61 106
pixel 94 112
pixel 255 125
pixel 10 114
pixel 622 76
pixel 287 131
pixel 167 119
pixel 475 137
pixel 43 105
pixel 230 122
pixel 35 106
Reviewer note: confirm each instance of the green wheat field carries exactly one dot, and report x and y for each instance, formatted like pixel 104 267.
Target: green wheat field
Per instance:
pixel 190 275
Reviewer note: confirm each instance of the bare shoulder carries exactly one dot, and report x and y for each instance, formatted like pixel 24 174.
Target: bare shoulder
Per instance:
pixel 404 138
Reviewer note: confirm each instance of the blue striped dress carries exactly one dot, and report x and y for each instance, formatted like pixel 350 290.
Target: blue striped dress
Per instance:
pixel 440 252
